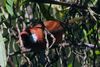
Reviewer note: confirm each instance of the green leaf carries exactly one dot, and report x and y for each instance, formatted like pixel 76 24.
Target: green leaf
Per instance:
pixel 3 59
pixel 85 35
pixel 10 2
pixel 97 52
pixel 9 7
pixel 94 2
pixel 45 12
pixel 70 65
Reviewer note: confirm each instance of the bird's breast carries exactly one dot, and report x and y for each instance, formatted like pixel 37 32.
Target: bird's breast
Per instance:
pixel 37 33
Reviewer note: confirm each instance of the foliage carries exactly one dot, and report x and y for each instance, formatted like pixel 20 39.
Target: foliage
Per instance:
pixel 3 60
pixel 82 21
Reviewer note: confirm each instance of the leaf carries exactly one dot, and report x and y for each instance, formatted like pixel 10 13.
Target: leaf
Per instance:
pixel 9 7
pixel 10 2
pixel 85 35
pixel 3 59
pixel 70 65
pixel 45 12
pixel 94 2
pixel 97 52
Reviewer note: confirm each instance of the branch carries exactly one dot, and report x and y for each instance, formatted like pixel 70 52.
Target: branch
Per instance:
pixel 19 52
pixel 20 39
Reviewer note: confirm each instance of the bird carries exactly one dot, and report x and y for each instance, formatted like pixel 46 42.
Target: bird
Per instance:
pixel 34 37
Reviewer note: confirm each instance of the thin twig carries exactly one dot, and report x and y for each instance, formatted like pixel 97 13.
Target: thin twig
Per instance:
pixel 28 60
pixel 19 36
pixel 52 36
pixel 47 47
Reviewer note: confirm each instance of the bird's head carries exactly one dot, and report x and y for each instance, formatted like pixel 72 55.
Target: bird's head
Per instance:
pixel 28 39
pixel 25 39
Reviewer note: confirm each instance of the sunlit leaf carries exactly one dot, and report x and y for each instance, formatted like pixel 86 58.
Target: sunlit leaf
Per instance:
pixel 70 65
pixel 9 7
pixel 9 2
pixel 3 59
pixel 97 52
pixel 85 35
pixel 94 2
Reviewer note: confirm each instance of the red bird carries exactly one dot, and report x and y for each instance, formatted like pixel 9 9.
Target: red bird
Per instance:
pixel 34 36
